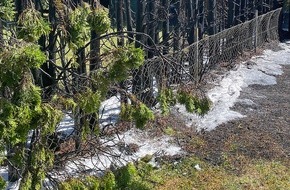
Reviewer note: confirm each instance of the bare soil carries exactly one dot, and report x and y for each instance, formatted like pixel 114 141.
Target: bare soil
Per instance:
pixel 264 132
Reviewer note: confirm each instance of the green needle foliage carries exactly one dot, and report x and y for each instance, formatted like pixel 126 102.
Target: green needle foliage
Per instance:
pixel 166 99
pixel 99 20
pixel 119 64
pixel 126 176
pixel 33 25
pixel 22 111
pixel 16 62
pixel 124 60
pixel 75 184
pixel 138 176
pixel 138 112
pixel 82 20
pixel 7 11
pixel 89 101
pixel 2 183
pixel 193 104
pixel 78 27
pixel 142 114
pixel 109 182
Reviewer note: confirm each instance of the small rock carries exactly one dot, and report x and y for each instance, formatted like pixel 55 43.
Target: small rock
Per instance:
pixel 250 64
pixel 197 167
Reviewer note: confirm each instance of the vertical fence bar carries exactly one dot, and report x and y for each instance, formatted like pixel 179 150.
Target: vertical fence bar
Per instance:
pixel 269 28
pixel 256 29
pixel 196 69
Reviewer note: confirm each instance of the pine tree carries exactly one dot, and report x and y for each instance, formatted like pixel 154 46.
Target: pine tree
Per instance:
pixel 54 60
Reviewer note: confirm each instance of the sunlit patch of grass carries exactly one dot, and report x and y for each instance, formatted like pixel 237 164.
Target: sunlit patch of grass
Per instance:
pixel 184 175
pixel 176 183
pixel 169 131
pixel 270 175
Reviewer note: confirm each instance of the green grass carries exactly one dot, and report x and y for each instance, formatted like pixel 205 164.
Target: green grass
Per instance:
pixel 270 175
pixel 183 175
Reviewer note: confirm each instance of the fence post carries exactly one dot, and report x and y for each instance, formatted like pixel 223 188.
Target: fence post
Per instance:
pixel 269 28
pixel 196 61
pixel 256 30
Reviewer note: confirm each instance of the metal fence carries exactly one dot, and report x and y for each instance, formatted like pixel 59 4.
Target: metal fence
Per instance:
pixel 187 67
pixel 191 63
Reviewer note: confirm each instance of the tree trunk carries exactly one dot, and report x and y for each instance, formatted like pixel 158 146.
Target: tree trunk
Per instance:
pixel 165 27
pixel 214 43
pixel 80 52
pixel 212 17
pixel 176 39
pixel 120 24
pixel 151 26
pixel 95 51
pixel 177 43
pixel 147 96
pixel 231 11
pixel 164 69
pixel 95 46
pixel 191 21
pixel 120 20
pixel 79 118
pixel 137 74
pixel 129 20
pixel 1 35
pixel 202 18
pixel 48 77
pixel 14 172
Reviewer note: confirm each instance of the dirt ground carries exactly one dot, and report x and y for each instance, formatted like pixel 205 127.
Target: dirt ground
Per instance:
pixel 263 134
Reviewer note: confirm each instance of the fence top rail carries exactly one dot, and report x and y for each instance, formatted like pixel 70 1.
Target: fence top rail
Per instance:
pixel 234 27
pixel 186 49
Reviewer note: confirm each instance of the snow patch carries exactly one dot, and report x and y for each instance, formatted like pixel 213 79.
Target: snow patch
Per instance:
pixel 146 146
pixel 110 110
pixel 66 126
pixel 10 185
pixel 4 173
pixel 262 71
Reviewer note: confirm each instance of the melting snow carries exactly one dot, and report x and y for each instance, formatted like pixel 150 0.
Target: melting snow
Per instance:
pixel 262 71
pixel 110 110
pixel 147 146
